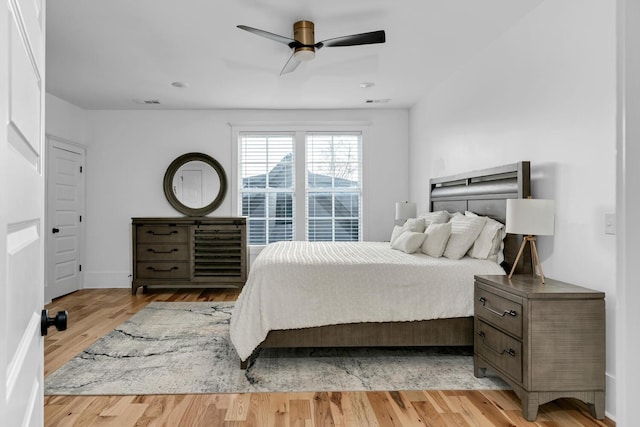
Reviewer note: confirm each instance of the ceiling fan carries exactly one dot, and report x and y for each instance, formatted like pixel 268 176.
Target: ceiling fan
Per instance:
pixel 304 46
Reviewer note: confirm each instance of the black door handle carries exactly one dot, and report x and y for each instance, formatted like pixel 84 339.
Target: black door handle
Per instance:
pixel 55 230
pixel 60 321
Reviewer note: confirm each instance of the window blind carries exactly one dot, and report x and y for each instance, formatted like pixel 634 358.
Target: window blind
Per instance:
pixel 334 183
pixel 267 171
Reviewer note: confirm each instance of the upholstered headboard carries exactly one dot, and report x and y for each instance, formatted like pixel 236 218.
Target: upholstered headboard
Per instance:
pixel 485 192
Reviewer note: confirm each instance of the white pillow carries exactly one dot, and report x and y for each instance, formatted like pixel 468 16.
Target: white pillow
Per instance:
pixel 497 249
pixel 397 231
pixel 409 241
pixel 464 231
pixel 486 244
pixel 412 224
pixel 500 252
pixel 415 224
pixel 438 217
pixel 436 240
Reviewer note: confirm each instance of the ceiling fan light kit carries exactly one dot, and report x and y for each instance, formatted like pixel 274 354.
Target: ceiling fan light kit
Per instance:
pixel 303 42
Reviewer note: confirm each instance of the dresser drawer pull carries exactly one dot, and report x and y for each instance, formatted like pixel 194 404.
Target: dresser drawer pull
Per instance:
pixel 153 233
pixel 155 251
pixel 511 352
pixel 160 269
pixel 497 313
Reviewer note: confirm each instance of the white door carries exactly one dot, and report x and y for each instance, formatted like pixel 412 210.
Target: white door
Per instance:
pixel 65 206
pixel 22 70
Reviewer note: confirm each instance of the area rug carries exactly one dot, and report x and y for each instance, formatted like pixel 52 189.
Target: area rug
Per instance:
pixel 184 348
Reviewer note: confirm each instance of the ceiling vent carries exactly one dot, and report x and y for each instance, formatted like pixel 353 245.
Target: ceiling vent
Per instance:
pixel 378 101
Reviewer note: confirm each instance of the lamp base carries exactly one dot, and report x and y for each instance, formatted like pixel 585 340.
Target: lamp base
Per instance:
pixel 535 259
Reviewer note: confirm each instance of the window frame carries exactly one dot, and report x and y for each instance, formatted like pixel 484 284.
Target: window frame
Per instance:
pixel 268 191
pixel 299 130
pixel 334 191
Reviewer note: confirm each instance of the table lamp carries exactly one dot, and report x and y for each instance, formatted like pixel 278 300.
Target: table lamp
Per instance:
pixel 530 217
pixel 406 210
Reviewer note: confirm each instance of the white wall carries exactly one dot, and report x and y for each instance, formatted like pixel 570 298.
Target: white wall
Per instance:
pixel 65 120
pixel 544 91
pixel 129 151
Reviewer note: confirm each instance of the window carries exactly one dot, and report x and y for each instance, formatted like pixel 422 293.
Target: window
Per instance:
pixel 333 187
pixel 327 180
pixel 267 171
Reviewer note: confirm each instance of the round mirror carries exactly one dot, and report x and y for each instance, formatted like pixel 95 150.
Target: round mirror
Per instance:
pixel 195 184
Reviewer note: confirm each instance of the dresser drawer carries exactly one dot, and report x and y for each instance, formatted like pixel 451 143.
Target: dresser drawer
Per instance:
pixel 499 349
pixel 218 234
pixel 162 233
pixel 162 270
pixel 502 312
pixel 162 252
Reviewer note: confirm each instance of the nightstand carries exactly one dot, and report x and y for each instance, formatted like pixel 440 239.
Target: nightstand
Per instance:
pixel 545 340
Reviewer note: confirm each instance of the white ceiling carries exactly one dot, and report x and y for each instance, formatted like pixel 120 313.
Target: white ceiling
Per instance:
pixel 113 54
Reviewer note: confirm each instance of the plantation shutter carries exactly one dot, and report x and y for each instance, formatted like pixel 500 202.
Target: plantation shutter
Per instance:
pixel 334 186
pixel 267 173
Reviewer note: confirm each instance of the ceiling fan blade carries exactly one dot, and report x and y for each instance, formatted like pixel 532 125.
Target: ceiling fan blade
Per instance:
pixel 291 65
pixel 271 36
pixel 354 39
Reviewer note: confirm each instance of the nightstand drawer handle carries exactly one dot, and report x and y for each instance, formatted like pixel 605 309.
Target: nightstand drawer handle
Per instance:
pixel 497 313
pixel 511 352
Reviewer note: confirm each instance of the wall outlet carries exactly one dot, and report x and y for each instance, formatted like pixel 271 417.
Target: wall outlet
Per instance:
pixel 609 223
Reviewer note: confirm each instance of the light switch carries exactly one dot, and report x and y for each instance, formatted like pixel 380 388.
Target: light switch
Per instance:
pixel 609 223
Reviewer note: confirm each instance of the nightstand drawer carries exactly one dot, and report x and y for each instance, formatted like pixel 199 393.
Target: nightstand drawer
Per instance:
pixel 499 349
pixel 501 312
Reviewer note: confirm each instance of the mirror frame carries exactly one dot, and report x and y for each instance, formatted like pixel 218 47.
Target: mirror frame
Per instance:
pixel 168 184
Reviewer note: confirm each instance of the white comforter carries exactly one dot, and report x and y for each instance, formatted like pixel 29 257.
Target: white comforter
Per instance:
pixel 302 284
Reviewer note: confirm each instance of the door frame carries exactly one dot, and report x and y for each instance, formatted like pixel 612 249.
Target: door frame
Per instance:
pixel 78 148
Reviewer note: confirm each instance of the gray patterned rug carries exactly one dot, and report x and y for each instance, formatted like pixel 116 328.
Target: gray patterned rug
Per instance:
pixel 176 348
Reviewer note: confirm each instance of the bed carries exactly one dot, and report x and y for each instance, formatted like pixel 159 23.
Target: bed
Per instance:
pixel 290 296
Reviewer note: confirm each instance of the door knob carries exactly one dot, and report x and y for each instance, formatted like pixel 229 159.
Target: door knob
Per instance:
pixel 55 230
pixel 60 321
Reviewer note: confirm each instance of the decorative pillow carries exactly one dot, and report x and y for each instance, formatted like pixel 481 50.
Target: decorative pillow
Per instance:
pixel 486 244
pixel 436 240
pixel 464 231
pixel 415 224
pixel 438 217
pixel 500 253
pixel 497 247
pixel 397 231
pixel 409 241
pixel 412 224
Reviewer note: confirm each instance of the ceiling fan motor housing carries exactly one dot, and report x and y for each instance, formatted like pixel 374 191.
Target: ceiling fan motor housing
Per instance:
pixel 303 32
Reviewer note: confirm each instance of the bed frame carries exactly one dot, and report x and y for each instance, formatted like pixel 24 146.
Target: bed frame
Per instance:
pixel 484 192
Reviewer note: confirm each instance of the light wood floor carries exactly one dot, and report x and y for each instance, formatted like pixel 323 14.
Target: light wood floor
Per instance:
pixel 94 313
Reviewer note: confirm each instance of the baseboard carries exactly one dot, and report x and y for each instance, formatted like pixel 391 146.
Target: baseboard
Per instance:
pixel 610 390
pixel 107 279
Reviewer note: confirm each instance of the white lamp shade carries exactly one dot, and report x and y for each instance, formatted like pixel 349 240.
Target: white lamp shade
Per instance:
pixel 406 210
pixel 534 217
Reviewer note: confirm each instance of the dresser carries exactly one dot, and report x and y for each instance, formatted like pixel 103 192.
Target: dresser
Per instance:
pixel 546 340
pixel 202 252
